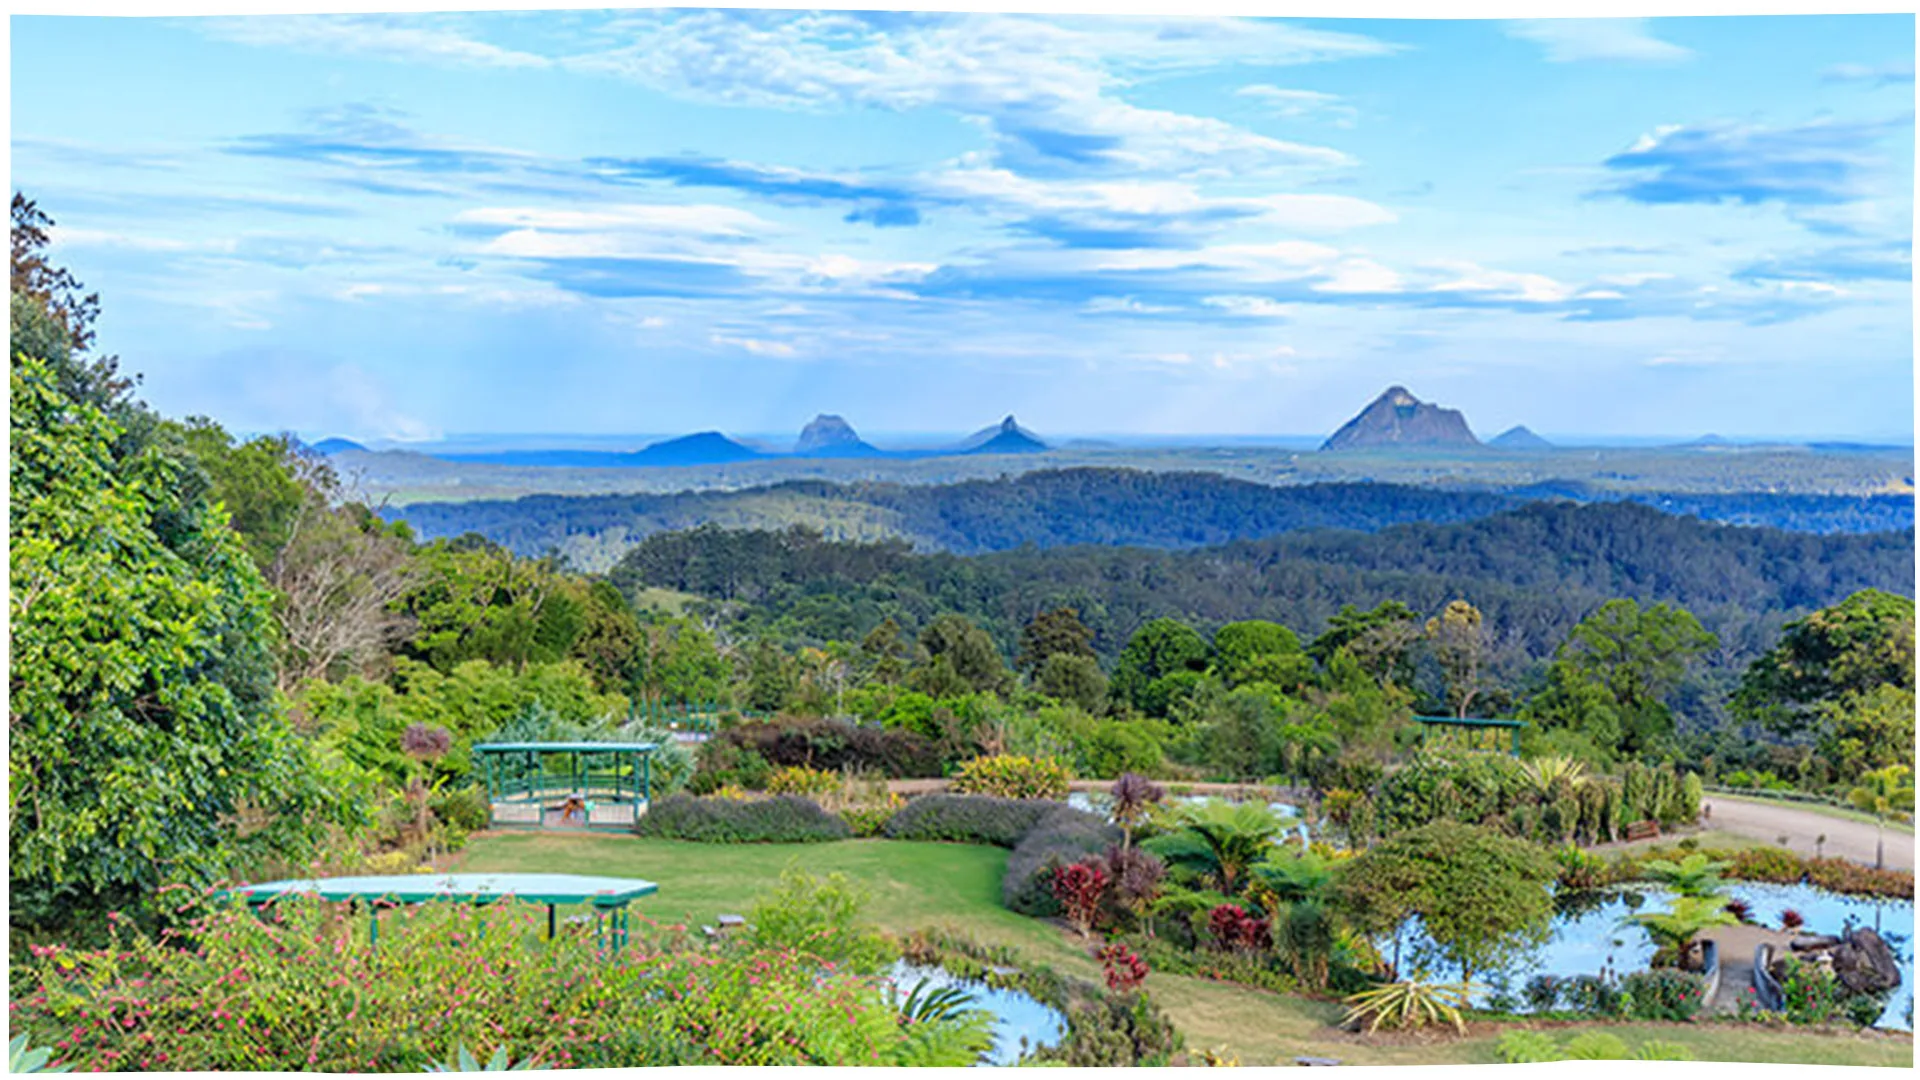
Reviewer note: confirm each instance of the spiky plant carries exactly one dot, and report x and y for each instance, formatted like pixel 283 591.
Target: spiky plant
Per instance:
pixel 1548 773
pixel 20 1059
pixel 1133 797
pixel 463 1061
pixel 1232 837
pixel 1410 1003
pixel 1696 875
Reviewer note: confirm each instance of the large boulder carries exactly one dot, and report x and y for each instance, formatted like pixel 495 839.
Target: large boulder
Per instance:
pixel 1864 964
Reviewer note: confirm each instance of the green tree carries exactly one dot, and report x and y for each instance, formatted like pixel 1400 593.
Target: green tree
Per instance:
pixel 1638 654
pixel 1077 679
pixel 1863 731
pixel 1380 640
pixel 1261 651
pixel 1482 897
pixel 1852 648
pixel 1673 931
pixel 1884 793
pixel 684 664
pixel 1159 650
pixel 885 653
pixel 474 600
pixel 146 744
pixel 960 658
pixel 1459 641
pixel 1058 632
pixel 1222 839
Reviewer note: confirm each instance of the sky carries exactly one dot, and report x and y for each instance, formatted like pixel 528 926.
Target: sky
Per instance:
pixel 406 226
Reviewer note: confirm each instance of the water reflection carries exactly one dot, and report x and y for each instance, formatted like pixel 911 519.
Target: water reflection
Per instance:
pixel 1020 1022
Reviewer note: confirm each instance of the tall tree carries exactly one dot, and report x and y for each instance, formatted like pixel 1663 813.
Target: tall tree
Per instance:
pixel 1058 632
pixel 1458 638
pixel 1381 640
pixel 1850 649
pixel 1160 650
pixel 955 649
pixel 1256 650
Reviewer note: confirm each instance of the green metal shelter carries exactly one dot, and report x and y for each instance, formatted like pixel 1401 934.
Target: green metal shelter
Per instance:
pixel 592 785
pixel 1474 733
pixel 609 896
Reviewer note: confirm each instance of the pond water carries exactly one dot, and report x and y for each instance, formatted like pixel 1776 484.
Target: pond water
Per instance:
pixel 1099 802
pixel 1020 1022
pixel 1588 937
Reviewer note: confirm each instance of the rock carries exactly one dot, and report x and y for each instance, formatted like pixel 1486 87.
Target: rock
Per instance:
pixel 1811 942
pixel 831 436
pixel 1519 438
pixel 1397 418
pixel 1864 964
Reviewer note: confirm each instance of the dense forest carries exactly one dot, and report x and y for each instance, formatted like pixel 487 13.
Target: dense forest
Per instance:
pixel 1535 572
pixel 1063 507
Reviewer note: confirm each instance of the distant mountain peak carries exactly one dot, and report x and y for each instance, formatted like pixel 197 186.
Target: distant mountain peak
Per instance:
pixel 1006 437
pixel 336 445
pixel 827 435
pixel 1397 418
pixel 1519 437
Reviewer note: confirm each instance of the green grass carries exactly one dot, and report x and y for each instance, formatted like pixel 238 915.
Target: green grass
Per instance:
pixel 957 886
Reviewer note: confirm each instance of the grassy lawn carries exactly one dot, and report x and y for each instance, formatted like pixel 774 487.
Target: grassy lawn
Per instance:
pixel 957 886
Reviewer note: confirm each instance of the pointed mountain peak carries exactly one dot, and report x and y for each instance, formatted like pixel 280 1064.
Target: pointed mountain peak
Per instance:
pixel 1398 419
pixel 828 435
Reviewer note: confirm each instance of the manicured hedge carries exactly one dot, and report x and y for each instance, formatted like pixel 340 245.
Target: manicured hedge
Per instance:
pixel 782 819
pixel 1043 835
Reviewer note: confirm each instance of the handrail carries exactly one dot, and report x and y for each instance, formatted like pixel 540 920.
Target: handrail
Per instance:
pixel 1765 987
pixel 1710 967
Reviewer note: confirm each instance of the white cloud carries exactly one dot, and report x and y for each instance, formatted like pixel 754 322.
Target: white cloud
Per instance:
pixel 756 346
pixel 1292 104
pixel 406 38
pixel 1258 307
pixel 671 219
pixel 1567 40
pixel 1466 277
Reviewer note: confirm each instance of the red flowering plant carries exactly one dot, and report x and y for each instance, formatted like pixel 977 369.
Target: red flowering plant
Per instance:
pixel 1080 888
pixel 1234 927
pixel 1124 967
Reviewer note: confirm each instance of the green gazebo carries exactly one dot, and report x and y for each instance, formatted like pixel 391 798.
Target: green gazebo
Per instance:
pixel 590 785
pixel 1470 733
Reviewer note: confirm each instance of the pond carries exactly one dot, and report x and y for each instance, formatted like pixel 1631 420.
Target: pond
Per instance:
pixel 1588 937
pixel 1020 1022
pixel 1099 802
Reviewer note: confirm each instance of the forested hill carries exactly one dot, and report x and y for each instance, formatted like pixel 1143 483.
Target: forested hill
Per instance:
pixel 1534 572
pixel 1064 507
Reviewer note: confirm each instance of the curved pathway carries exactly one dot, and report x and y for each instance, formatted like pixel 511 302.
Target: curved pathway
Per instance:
pixel 1770 821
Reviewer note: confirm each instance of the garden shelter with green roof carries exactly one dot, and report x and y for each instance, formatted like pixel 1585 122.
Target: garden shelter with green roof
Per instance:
pixel 546 785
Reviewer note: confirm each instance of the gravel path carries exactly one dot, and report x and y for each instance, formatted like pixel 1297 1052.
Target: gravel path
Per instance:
pixel 1770 821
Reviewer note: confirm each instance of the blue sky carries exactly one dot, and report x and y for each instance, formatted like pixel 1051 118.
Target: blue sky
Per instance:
pixel 404 226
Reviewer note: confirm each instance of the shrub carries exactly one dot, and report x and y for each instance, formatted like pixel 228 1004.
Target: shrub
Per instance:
pixel 464 809
pixel 1124 968
pixel 969 819
pixel 1662 1050
pixel 1767 864
pixel 1857 879
pixel 1012 776
pixel 866 821
pixel 802 780
pixel 1664 994
pixel 1115 1031
pixel 782 819
pixel 1591 995
pixel 1579 870
pixel 725 764
pixel 1080 889
pixel 819 917
pixel 1595 1046
pixel 1409 1004
pixel 280 993
pixel 1811 993
pixel 1525 1047
pixel 1542 993
pixel 836 747
pixel 1791 920
pixel 1060 837
pixel 1863 1010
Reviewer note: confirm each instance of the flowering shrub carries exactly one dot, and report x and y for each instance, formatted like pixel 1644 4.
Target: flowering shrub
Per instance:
pixel 1811 993
pixel 781 819
pixel 1664 994
pixel 1234 927
pixel 1592 995
pixel 1012 776
pixel 1080 888
pixel 968 819
pixel 801 780
pixel 866 821
pixel 1124 967
pixel 301 989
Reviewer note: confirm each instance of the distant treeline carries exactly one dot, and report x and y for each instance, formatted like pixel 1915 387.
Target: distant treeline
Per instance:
pixel 1534 572
pixel 1057 508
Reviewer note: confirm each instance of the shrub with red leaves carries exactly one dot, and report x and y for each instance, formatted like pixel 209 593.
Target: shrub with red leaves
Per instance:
pixel 1125 969
pixel 1791 920
pixel 1740 909
pixel 1080 887
pixel 1234 927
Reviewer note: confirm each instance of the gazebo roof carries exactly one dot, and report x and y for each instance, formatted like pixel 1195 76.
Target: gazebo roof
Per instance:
pixel 566 747
pixel 420 888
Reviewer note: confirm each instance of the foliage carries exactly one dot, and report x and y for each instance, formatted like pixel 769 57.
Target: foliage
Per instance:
pixel 867 821
pixel 1059 838
pixel 1058 632
pixel 1124 968
pixel 1673 931
pixel 299 990
pixel 1593 995
pixel 1482 897
pixel 1663 994
pixel 464 1061
pixel 1010 776
pixel 1662 1050
pixel 1161 649
pixel 1134 797
pixel 1081 888
pixel 1231 838
pixel 1521 1046
pixel 1578 869
pixel 838 746
pixel 969 819
pixel 819 917
pixel 1812 994
pixel 20 1059
pixel 801 780
pixel 1695 875
pixel 145 741
pixel 1596 1046
pixel 1884 793
pixel 1409 1004
pixel 781 819
pixel 1863 642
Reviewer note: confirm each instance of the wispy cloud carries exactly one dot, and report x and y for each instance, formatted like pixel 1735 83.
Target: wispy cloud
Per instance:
pixel 1854 262
pixel 405 38
pixel 882 205
pixel 1569 40
pixel 1811 164
pixel 1898 73
pixel 1291 104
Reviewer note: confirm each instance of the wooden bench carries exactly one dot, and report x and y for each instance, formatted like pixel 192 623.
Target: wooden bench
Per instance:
pixel 1643 830
pixel 1316 1061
